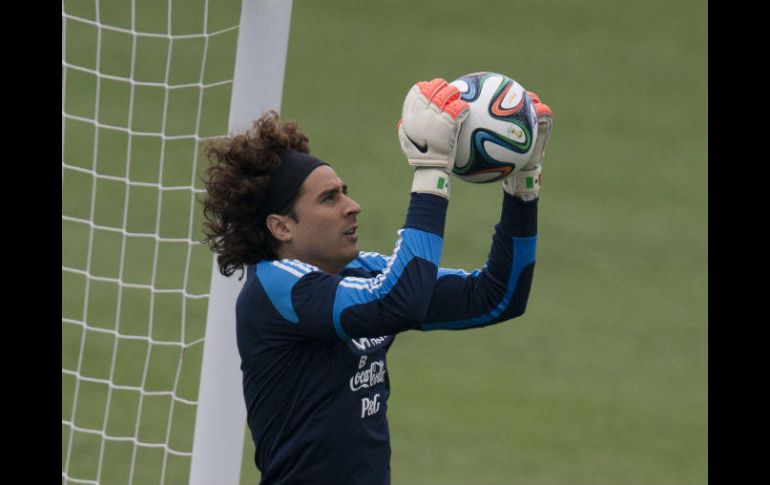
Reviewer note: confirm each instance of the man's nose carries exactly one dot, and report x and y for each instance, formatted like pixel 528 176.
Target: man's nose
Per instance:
pixel 352 208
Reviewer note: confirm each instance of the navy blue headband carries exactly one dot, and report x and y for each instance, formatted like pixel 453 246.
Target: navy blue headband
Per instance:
pixel 286 180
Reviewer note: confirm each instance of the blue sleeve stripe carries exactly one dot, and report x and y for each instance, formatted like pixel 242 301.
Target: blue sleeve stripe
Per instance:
pixel 278 279
pixel 338 325
pixel 523 255
pixel 411 244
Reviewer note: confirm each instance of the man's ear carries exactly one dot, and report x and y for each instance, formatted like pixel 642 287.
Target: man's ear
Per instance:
pixel 279 227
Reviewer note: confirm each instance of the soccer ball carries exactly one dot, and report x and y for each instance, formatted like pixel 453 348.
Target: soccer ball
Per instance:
pixel 497 137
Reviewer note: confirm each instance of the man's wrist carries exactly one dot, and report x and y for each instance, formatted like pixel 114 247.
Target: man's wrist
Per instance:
pixel 524 184
pixel 431 180
pixel 427 212
pixel 518 217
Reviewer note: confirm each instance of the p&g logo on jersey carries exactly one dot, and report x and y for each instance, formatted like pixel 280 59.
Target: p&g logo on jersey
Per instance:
pixel 370 406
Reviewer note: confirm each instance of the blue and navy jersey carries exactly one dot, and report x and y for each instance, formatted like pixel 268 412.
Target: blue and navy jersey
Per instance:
pixel 313 345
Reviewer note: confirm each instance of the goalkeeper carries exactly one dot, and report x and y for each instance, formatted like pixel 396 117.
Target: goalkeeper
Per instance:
pixel 316 316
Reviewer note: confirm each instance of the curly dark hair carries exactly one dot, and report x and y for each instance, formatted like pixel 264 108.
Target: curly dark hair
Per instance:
pixel 236 183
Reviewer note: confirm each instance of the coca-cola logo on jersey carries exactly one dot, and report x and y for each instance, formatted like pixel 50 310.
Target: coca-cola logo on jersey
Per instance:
pixel 369 377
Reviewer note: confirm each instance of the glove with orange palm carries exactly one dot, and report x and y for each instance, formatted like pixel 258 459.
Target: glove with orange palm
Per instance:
pixel 525 183
pixel 430 122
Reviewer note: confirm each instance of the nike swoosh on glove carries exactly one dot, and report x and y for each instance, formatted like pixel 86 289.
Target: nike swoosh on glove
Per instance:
pixel 430 122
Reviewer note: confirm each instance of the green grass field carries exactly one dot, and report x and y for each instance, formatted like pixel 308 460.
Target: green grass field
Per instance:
pixel 602 381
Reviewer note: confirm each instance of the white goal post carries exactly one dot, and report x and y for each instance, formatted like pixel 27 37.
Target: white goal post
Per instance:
pixel 257 86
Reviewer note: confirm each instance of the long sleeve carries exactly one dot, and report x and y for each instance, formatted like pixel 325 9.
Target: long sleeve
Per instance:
pixel 500 290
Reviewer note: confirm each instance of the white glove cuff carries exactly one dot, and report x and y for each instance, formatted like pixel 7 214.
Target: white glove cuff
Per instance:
pixel 524 184
pixel 431 181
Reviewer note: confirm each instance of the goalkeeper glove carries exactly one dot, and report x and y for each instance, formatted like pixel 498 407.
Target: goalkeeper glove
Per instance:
pixel 525 183
pixel 430 122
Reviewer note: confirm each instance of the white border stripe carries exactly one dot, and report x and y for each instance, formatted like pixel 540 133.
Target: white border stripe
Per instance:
pixel 307 268
pixel 372 284
pixel 288 269
pixel 357 279
pixel 356 287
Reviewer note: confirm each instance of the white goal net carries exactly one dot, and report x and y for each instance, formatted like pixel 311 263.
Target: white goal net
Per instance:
pixel 143 83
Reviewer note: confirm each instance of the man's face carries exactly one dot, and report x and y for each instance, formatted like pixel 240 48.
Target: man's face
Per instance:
pixel 326 232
